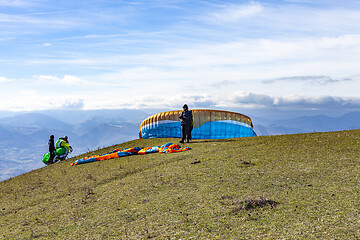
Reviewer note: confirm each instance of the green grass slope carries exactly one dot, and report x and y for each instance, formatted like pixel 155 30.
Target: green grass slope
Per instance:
pixel 303 186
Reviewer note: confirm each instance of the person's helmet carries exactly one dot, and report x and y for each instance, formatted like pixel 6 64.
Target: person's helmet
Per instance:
pixel 65 137
pixel 185 106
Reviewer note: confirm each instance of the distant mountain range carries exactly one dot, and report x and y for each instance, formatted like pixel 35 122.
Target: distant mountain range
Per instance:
pixel 306 124
pixel 24 136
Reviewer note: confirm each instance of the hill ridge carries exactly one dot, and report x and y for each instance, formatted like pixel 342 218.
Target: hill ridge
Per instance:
pixel 223 196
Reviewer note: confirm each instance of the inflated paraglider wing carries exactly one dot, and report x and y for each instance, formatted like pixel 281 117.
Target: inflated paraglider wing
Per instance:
pixel 207 124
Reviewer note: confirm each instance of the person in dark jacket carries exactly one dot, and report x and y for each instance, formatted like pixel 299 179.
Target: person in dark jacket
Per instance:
pixel 186 124
pixel 51 149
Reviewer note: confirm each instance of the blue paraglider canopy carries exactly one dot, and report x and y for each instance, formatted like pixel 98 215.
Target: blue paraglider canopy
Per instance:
pixel 207 124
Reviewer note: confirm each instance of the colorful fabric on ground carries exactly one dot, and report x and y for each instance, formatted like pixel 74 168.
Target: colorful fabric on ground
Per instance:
pixel 166 148
pixel 171 148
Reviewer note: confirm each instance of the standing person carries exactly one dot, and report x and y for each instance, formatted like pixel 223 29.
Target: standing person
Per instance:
pixel 186 124
pixel 51 149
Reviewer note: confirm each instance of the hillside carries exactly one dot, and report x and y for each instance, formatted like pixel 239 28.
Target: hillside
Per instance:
pixel 302 186
pixel 93 129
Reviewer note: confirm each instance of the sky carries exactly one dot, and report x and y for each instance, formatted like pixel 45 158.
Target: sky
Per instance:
pixel 109 54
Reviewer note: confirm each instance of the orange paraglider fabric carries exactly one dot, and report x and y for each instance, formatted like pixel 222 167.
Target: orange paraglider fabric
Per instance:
pixel 166 148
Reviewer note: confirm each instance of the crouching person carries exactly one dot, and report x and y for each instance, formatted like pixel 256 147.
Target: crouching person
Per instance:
pixel 62 148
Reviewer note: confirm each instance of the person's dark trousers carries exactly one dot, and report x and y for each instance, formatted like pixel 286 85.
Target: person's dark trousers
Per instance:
pixel 186 132
pixel 52 156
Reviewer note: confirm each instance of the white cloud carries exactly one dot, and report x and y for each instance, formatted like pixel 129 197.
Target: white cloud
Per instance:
pixel 293 102
pixel 74 104
pixel 218 70
pixel 274 20
pixel 322 80
pixel 296 47
pixel 28 93
pixel 15 3
pixel 233 13
pixel 169 97
pixel 8 18
pixel 31 25
pixel 72 80
pixel 48 78
pixel 222 83
pixel 249 52
pixel 4 79
pixel 172 101
pixel 66 80
pixel 71 60
pixel 31 100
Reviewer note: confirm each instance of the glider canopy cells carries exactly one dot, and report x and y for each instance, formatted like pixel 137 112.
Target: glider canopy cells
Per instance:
pixel 207 124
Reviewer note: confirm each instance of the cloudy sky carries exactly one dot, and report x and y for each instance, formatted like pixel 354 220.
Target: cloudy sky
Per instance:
pixel 91 54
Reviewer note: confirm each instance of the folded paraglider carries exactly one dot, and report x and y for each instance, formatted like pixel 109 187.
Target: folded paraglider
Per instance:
pixel 166 148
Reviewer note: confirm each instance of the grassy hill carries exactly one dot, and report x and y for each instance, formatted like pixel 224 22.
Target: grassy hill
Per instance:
pixel 303 186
